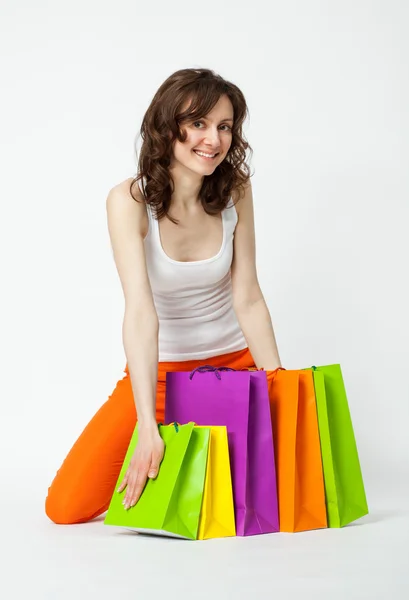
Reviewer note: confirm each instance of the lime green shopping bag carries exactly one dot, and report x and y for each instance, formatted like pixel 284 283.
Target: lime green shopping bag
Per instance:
pixel 344 486
pixel 171 503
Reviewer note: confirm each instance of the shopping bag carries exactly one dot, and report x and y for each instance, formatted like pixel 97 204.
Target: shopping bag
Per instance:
pixel 344 486
pixel 300 482
pixel 171 503
pixel 239 401
pixel 217 514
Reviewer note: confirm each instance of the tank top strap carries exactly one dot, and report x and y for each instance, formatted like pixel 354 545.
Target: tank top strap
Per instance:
pixel 230 213
pixel 153 224
pixel 151 219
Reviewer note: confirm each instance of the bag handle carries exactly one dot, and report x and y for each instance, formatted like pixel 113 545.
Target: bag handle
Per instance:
pixel 216 370
pixel 210 369
pixel 276 371
pixel 175 425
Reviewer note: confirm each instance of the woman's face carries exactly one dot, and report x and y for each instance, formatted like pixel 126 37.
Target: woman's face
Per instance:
pixel 211 135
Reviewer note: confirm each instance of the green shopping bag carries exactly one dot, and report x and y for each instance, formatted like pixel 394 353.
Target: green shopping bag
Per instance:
pixel 171 503
pixel 344 486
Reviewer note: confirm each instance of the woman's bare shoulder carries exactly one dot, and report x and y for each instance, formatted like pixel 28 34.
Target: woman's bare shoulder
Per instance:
pixel 120 196
pixel 124 188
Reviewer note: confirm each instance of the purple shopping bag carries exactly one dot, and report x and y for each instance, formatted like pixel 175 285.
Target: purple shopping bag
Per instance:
pixel 239 400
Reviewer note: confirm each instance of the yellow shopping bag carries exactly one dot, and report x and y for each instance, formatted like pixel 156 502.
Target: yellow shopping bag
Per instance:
pixel 217 514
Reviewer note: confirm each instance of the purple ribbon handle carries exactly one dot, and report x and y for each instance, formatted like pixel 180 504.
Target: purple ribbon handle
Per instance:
pixel 210 369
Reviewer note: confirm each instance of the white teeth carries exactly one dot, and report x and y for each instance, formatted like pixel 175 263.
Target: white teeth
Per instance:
pixel 205 155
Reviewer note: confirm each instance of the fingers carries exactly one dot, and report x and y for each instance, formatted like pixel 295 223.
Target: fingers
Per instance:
pixel 154 468
pixel 143 466
pixel 156 460
pixel 136 485
pixel 123 483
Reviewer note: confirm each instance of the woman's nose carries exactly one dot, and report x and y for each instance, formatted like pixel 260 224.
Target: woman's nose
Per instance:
pixel 213 137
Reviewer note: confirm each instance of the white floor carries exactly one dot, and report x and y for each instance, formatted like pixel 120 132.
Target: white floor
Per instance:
pixel 41 560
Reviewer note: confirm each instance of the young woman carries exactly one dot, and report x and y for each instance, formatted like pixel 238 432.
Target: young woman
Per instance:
pixel 182 234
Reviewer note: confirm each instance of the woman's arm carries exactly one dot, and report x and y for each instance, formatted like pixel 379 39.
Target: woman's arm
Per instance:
pixel 140 323
pixel 248 300
pixel 140 336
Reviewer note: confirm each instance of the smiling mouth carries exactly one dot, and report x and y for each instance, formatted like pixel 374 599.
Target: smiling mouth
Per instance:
pixel 206 157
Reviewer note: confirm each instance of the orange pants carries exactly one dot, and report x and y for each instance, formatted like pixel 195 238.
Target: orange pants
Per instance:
pixel 84 484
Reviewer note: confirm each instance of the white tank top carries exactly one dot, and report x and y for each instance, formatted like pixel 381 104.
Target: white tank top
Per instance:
pixel 194 299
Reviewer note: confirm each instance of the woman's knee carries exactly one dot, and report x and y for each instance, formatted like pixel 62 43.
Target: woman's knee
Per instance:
pixel 81 487
pixel 60 508
pixel 56 510
pixel 66 505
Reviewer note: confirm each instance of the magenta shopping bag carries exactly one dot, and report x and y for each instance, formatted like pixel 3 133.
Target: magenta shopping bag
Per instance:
pixel 239 400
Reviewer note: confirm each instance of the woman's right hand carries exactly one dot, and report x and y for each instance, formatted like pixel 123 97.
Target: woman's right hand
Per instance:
pixel 145 463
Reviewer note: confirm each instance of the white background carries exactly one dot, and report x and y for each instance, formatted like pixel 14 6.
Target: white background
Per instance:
pixel 327 85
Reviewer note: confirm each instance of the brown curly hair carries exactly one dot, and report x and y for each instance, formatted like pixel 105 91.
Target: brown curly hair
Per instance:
pixel 162 124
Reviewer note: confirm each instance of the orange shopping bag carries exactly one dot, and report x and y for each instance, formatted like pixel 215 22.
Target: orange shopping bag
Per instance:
pixel 300 481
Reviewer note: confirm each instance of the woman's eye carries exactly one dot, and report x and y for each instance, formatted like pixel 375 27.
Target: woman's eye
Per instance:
pixel 200 123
